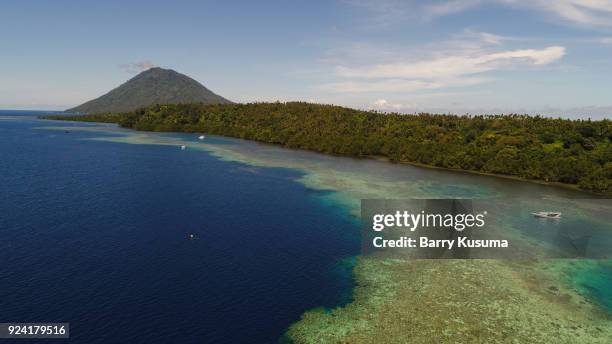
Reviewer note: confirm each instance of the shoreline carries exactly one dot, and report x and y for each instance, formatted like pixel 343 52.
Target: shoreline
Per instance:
pixel 573 187
pixel 342 318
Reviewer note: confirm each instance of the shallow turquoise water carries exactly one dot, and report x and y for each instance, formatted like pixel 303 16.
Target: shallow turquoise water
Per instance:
pixel 594 280
pixel 346 181
pixel 293 207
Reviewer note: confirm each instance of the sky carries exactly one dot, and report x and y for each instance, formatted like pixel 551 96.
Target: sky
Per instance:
pixel 447 56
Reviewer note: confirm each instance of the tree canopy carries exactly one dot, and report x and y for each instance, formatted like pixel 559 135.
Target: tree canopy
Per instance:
pixel 532 147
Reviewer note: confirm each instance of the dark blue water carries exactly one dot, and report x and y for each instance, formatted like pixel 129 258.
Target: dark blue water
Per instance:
pixel 95 234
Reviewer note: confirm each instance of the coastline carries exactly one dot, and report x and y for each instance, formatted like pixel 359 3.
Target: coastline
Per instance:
pixel 320 172
pixel 573 187
pixel 381 276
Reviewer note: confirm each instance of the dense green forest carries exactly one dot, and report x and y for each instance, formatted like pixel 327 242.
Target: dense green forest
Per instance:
pixel 547 149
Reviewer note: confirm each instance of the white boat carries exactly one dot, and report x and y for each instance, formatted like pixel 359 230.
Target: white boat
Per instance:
pixel 183 147
pixel 201 137
pixel 547 214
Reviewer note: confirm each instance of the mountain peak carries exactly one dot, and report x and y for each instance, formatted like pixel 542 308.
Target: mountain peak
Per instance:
pixel 155 85
pixel 158 70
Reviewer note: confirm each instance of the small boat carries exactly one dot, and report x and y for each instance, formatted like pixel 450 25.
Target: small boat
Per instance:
pixel 201 137
pixel 183 147
pixel 547 214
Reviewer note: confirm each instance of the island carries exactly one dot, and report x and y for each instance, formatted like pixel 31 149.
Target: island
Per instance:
pixel 577 153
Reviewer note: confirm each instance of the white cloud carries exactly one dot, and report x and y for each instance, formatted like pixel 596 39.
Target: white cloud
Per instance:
pixel 593 112
pixel 491 38
pixel 137 67
pixel 397 85
pixel 586 12
pixel 583 12
pixel 440 72
pixel 380 103
pixel 455 66
pixel 383 104
pixel 605 40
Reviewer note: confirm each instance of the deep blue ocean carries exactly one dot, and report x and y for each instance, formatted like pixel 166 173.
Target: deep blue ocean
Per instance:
pixel 96 234
pixel 94 230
